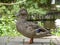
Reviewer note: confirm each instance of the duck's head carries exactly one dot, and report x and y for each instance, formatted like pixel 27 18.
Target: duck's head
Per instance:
pixel 22 13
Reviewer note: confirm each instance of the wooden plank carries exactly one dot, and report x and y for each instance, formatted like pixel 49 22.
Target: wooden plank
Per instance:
pixel 25 40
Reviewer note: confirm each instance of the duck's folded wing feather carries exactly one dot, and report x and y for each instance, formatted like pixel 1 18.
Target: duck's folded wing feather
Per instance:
pixel 36 26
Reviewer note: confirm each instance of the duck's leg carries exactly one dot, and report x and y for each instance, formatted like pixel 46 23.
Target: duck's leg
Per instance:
pixel 31 41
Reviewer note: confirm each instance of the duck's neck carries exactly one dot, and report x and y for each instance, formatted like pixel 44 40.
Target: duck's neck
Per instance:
pixel 23 18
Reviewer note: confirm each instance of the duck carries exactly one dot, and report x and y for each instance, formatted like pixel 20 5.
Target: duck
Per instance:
pixel 29 29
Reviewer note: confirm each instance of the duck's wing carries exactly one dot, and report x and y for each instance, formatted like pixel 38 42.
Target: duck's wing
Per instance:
pixel 35 26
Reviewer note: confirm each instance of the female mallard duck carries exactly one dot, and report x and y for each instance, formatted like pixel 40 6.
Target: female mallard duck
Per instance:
pixel 29 28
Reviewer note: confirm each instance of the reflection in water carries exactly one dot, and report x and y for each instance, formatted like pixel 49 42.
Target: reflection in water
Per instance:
pixel 57 23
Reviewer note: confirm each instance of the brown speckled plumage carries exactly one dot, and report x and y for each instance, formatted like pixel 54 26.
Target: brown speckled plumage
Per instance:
pixel 28 28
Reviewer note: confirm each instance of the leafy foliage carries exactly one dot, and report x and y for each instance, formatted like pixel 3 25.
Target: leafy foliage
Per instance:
pixel 7 22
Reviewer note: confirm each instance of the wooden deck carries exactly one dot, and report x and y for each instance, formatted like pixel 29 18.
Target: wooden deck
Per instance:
pixel 24 41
